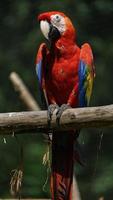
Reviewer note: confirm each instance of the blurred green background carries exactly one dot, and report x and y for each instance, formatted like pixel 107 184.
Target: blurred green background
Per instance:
pixel 20 38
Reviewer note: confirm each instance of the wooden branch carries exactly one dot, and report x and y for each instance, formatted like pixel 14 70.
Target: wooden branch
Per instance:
pixel 71 119
pixel 23 91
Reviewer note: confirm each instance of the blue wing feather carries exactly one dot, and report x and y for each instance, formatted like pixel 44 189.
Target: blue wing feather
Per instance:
pixel 41 56
pixel 39 71
pixel 86 74
pixel 39 62
pixel 82 89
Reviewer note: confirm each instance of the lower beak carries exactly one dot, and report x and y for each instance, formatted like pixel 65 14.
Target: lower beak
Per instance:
pixel 53 34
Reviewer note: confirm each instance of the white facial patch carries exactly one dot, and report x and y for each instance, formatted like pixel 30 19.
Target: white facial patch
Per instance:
pixel 59 22
pixel 45 28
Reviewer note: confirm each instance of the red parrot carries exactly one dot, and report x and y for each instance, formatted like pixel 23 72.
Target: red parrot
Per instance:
pixel 65 73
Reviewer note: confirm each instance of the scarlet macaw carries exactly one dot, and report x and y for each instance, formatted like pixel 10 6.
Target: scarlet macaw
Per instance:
pixel 65 73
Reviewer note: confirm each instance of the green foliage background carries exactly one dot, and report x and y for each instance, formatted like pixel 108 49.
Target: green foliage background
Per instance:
pixel 19 40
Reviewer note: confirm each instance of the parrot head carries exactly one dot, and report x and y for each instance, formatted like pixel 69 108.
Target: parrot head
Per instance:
pixel 56 26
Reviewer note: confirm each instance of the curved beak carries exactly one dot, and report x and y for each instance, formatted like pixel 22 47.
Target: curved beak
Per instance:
pixel 49 31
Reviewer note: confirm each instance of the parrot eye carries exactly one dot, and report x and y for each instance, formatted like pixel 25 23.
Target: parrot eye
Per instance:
pixel 57 17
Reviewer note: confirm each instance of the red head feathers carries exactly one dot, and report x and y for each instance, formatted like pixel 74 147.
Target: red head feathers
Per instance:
pixel 56 23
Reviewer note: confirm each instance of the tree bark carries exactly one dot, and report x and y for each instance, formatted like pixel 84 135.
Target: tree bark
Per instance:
pixel 71 119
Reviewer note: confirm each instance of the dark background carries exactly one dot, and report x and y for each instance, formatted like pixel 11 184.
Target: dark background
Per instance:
pixel 20 37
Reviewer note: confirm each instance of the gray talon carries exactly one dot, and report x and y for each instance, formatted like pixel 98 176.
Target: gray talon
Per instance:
pixel 50 111
pixel 60 111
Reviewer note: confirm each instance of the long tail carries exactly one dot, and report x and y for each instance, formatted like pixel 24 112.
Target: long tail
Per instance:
pixel 62 166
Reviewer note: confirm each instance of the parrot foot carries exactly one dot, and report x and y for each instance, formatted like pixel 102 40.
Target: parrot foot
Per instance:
pixel 51 109
pixel 60 111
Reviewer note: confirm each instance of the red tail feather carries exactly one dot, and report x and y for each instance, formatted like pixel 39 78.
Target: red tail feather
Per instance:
pixel 62 166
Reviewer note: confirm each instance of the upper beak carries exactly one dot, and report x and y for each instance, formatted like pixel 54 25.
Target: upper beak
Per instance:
pixel 45 28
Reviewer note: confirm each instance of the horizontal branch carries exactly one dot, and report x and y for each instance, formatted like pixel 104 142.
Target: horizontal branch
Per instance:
pixel 15 122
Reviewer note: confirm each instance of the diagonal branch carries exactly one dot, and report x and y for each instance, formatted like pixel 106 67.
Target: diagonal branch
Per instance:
pixel 23 91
